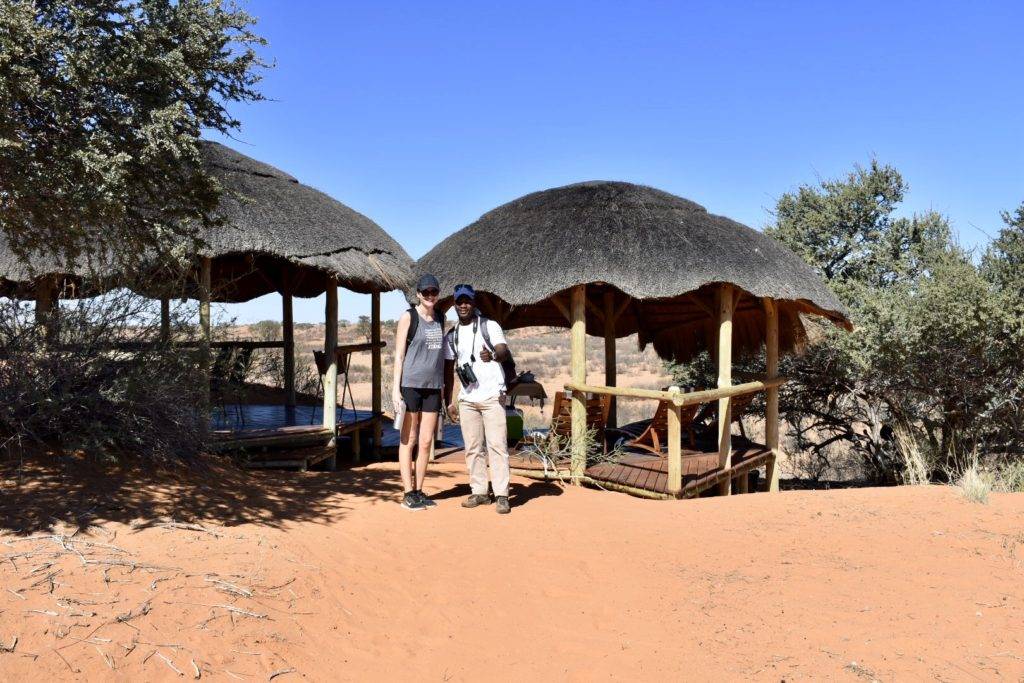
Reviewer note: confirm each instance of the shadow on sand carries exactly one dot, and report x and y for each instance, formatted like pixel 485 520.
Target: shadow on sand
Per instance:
pixel 518 494
pixel 44 490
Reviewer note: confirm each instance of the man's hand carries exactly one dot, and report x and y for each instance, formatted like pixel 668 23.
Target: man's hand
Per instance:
pixel 396 398
pixel 486 355
pixel 453 412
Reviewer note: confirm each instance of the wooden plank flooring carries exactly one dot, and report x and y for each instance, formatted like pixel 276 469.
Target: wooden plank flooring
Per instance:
pixel 649 472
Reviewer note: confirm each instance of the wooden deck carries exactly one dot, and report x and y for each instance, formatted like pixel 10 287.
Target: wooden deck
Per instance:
pixel 646 474
pixel 270 435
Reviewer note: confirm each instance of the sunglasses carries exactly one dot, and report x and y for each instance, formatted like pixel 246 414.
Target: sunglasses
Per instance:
pixel 430 292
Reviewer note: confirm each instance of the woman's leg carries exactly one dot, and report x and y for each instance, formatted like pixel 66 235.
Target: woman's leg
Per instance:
pixel 410 428
pixel 428 427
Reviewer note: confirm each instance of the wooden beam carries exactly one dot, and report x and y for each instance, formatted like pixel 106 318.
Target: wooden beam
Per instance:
pixel 288 337
pixel 626 301
pixel 598 313
pixel 47 309
pixel 699 303
pixel 561 307
pixel 165 319
pixel 725 308
pixel 375 371
pixel 330 379
pixel 771 415
pixel 578 373
pixel 680 399
pixel 205 337
pixel 675 447
pixel 610 370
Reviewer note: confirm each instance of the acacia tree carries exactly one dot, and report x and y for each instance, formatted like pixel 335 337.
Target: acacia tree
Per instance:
pixel 933 350
pixel 1003 267
pixel 101 106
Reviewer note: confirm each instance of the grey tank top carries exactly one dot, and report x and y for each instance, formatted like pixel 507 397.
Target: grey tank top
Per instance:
pixel 424 359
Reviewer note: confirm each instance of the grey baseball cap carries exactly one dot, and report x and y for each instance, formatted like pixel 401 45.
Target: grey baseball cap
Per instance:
pixel 427 282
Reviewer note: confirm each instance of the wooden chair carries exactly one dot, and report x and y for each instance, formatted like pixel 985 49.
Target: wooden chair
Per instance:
pixel 709 413
pixel 343 358
pixel 656 435
pixel 227 381
pixel 561 423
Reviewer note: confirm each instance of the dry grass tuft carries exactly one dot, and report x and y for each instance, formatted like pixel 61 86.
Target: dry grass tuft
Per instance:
pixel 916 466
pixel 975 483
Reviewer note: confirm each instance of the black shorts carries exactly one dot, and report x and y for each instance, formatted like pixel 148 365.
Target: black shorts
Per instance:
pixel 421 400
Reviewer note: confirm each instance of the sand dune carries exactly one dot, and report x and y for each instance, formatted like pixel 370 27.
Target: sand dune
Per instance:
pixel 322 576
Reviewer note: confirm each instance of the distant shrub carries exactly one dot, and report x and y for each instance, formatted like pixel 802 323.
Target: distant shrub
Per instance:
pixel 80 392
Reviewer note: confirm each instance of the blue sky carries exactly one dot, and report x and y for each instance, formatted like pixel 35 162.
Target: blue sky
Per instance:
pixel 424 115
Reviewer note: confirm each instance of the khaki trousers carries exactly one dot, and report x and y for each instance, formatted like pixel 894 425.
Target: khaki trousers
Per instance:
pixel 486 436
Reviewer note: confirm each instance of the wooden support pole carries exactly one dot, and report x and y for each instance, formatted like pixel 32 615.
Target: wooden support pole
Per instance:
pixel 610 371
pixel 288 337
pixel 205 337
pixel 375 372
pixel 330 378
pixel 165 319
pixel 675 447
pixel 578 373
pixel 47 310
pixel 725 308
pixel 771 414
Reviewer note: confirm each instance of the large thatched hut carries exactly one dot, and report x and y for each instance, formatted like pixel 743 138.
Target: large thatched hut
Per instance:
pixel 613 259
pixel 274 234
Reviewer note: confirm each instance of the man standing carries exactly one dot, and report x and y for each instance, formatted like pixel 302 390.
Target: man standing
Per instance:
pixel 475 348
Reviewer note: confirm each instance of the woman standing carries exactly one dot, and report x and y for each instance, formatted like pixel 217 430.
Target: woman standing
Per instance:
pixel 418 380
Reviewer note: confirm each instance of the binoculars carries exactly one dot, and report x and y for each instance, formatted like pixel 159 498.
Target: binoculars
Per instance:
pixel 466 374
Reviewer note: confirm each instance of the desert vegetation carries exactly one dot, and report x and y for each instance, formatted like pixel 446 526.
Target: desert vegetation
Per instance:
pixel 929 386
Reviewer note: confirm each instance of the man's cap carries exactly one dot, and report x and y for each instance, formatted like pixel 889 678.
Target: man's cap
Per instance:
pixel 464 290
pixel 428 282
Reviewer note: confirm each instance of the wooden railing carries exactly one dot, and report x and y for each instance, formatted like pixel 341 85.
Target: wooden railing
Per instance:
pixel 676 399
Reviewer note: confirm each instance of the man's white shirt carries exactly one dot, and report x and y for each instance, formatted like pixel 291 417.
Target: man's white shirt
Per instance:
pixel 490 377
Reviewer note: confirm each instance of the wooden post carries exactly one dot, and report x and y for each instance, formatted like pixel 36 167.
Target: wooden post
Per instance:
pixel 675 454
pixel 578 373
pixel 205 337
pixel 165 319
pixel 288 337
pixel 47 308
pixel 375 372
pixel 725 306
pixel 609 355
pixel 330 355
pixel 771 414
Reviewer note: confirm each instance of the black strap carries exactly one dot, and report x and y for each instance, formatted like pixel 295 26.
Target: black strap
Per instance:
pixel 414 323
pixel 472 348
pixel 485 333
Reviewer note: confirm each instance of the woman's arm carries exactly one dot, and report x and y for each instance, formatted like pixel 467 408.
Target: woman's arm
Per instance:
pixel 401 334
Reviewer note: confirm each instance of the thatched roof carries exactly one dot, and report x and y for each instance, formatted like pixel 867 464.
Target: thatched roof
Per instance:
pixel 658 255
pixel 275 233
pixel 275 228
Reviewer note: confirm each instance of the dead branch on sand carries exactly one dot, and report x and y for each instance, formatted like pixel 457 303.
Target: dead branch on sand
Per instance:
pixel 229 587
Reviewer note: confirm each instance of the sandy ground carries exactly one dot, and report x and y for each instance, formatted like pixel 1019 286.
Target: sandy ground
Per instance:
pixel 322 576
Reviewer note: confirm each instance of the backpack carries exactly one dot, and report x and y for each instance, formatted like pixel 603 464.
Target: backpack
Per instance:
pixel 414 324
pixel 508 366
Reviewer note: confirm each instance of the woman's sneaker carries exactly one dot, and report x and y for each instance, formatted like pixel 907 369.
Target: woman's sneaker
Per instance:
pixel 426 501
pixel 411 501
pixel 503 506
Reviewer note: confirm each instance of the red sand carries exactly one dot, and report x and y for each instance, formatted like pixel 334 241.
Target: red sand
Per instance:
pixel 336 582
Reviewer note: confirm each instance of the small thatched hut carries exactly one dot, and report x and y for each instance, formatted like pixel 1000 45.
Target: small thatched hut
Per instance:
pixel 613 259
pixel 274 234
